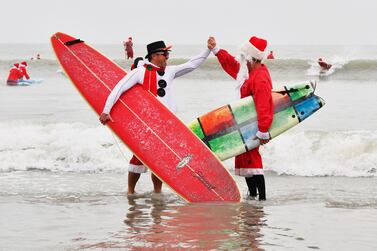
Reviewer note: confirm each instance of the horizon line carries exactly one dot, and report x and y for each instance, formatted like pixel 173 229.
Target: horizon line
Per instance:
pixel 194 44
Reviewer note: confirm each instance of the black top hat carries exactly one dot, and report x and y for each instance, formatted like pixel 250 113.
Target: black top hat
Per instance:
pixel 156 47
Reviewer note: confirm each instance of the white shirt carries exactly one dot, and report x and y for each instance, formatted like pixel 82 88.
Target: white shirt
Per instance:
pixel 136 76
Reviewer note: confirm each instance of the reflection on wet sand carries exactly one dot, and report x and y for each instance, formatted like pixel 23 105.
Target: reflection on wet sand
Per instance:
pixel 154 222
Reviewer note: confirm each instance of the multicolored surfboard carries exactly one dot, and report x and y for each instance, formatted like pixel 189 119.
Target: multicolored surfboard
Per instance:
pixel 229 130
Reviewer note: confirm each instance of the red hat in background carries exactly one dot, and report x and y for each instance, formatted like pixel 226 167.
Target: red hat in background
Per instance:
pixel 16 64
pixel 254 48
pixel 24 63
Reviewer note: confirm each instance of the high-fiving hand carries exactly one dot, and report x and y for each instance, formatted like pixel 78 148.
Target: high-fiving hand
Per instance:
pixel 261 141
pixel 211 43
pixel 104 118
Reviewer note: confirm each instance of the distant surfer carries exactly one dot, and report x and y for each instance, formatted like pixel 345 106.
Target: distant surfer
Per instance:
pixel 271 55
pixel 15 75
pixel 128 48
pixel 324 66
pixel 254 80
pixel 38 57
pixel 156 77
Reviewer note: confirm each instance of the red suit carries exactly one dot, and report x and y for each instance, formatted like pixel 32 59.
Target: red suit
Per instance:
pixel 129 49
pixel 24 72
pixel 324 65
pixel 270 56
pixel 14 75
pixel 258 85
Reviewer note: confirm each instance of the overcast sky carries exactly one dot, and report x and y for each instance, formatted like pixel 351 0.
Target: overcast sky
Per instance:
pixel 191 21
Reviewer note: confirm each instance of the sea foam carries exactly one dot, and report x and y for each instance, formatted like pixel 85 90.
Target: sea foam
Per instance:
pixel 78 147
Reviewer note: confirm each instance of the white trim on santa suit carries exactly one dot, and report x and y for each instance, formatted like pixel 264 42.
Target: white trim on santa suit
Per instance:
pixel 137 168
pixel 254 48
pixel 248 172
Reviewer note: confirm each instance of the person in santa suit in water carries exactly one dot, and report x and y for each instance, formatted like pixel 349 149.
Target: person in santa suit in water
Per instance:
pixel 324 66
pixel 157 77
pixel 15 75
pixel 254 80
pixel 23 66
pixel 271 55
pixel 128 48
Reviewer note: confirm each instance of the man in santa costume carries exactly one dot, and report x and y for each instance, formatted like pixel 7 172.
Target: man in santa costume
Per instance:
pixel 271 55
pixel 23 66
pixel 254 80
pixel 15 75
pixel 156 77
pixel 128 48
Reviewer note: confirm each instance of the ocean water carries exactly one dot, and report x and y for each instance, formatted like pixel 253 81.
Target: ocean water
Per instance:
pixel 64 176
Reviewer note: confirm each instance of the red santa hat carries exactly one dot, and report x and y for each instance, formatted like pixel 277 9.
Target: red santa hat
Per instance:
pixel 24 63
pixel 16 65
pixel 254 48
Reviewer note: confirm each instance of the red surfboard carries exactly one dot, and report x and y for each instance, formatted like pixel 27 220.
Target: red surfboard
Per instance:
pixel 154 134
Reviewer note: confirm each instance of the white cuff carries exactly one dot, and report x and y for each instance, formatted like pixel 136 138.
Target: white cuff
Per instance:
pixel 248 172
pixel 106 110
pixel 137 168
pixel 263 135
pixel 215 50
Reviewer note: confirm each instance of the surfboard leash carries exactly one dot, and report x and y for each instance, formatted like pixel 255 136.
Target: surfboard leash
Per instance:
pixel 118 146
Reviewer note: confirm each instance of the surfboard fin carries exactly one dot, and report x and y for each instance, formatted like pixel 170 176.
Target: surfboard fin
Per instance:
pixel 72 42
pixel 314 85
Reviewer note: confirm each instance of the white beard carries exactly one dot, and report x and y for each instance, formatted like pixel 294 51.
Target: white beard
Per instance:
pixel 243 73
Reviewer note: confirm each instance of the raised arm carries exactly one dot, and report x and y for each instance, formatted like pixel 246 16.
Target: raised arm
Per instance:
pixel 227 61
pixel 190 65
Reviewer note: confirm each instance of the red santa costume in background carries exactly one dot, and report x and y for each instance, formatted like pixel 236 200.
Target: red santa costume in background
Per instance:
pixel 256 83
pixel 323 64
pixel 23 66
pixel 271 55
pixel 15 75
pixel 128 48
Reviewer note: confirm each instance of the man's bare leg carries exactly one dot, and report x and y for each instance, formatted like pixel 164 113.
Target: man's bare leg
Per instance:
pixel 132 180
pixel 157 183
